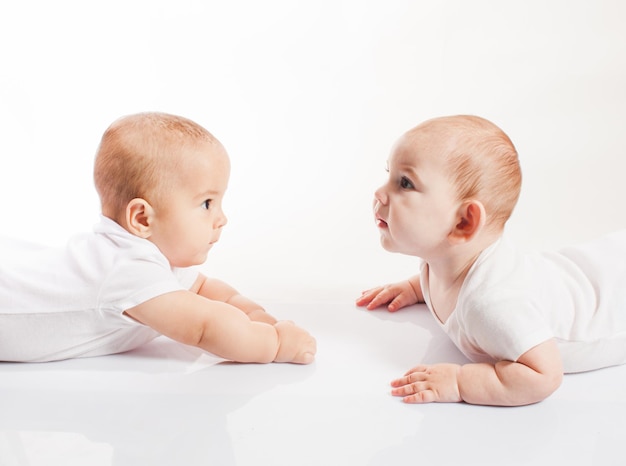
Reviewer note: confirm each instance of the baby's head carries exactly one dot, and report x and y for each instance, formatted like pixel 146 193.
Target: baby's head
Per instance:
pixel 163 177
pixel 480 160
pixel 140 156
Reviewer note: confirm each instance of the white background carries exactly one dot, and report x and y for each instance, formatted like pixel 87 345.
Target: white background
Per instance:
pixel 308 98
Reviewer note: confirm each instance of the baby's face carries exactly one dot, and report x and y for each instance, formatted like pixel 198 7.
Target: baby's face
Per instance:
pixel 416 208
pixel 190 220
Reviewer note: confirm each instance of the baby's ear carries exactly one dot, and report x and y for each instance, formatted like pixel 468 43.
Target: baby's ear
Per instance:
pixel 139 215
pixel 470 220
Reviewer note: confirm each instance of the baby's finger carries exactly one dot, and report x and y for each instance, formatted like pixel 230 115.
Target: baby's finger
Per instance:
pixel 420 368
pixel 424 396
pixel 398 302
pixel 372 290
pixel 383 297
pixel 307 356
pixel 406 380
pixel 362 300
pixel 367 296
pixel 405 390
pixel 412 389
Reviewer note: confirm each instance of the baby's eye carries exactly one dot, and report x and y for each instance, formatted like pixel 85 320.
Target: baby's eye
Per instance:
pixel 405 183
pixel 206 204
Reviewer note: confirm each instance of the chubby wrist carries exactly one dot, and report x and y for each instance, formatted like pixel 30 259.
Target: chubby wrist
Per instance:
pixel 280 349
pixel 259 315
pixel 459 382
pixel 416 286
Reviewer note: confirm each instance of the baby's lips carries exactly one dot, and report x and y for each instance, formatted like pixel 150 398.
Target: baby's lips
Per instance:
pixel 380 223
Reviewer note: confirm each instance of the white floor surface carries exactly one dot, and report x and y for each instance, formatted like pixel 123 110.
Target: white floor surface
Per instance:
pixel 167 404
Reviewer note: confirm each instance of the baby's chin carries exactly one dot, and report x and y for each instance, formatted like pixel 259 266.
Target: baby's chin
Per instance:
pixel 190 262
pixel 390 246
pixel 387 244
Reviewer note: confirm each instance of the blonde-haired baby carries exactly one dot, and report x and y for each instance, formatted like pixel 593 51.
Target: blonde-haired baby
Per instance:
pixel 161 179
pixel 523 319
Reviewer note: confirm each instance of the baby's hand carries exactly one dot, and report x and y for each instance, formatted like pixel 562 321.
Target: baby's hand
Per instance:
pixel 427 384
pixel 296 345
pixel 396 295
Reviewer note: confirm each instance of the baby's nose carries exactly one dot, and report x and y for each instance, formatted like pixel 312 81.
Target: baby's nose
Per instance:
pixel 222 220
pixel 380 197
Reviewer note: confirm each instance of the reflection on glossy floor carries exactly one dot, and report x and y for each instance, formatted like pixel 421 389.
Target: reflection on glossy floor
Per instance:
pixel 167 404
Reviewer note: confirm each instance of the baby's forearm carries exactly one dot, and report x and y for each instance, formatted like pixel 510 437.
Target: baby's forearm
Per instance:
pixel 214 326
pixel 504 384
pixel 236 338
pixel 217 290
pixel 252 309
pixel 416 284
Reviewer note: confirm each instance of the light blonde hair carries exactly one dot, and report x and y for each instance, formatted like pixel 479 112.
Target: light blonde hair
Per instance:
pixel 139 156
pixel 482 161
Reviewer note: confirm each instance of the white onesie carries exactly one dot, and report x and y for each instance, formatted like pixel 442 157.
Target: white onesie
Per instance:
pixel 512 301
pixel 59 303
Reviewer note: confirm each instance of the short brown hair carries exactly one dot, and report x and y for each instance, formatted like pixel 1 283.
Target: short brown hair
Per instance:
pixel 138 155
pixel 483 163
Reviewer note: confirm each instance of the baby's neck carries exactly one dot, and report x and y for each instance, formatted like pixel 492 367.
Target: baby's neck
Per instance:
pixel 447 274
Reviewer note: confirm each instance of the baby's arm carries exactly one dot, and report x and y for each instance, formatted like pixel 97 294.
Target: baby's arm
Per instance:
pixel 395 295
pixel 217 290
pixel 223 329
pixel 535 375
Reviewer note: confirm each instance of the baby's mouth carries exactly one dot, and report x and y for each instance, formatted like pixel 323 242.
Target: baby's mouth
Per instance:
pixel 380 223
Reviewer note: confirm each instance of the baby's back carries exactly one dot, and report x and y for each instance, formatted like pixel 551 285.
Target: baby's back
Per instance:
pixel 582 290
pixel 50 301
